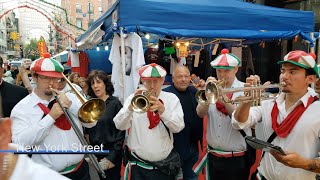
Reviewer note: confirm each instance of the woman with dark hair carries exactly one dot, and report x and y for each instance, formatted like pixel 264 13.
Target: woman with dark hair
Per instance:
pixel 105 132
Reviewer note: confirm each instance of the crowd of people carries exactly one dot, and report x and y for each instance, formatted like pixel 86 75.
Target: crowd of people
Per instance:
pixel 161 140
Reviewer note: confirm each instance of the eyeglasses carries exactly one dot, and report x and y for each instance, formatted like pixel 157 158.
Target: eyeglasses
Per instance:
pixel 48 79
pixel 181 77
pixel 61 80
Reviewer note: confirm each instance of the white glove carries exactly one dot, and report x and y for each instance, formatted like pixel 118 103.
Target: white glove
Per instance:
pixel 103 165
pixel 106 164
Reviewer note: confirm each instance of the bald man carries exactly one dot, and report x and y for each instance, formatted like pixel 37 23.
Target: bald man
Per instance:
pixel 186 141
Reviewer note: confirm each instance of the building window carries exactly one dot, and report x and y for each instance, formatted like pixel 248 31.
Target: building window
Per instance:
pixel 90 8
pixel 78 8
pixel 79 22
pixel 100 10
pixel 91 16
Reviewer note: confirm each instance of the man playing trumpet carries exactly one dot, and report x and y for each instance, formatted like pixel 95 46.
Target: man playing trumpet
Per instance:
pixel 291 121
pixel 38 121
pixel 227 157
pixel 150 139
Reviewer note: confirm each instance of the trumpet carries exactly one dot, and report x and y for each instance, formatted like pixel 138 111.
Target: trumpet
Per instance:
pixel 255 94
pixel 140 103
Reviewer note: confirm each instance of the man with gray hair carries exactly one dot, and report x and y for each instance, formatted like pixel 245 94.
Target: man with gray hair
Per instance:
pixel 186 141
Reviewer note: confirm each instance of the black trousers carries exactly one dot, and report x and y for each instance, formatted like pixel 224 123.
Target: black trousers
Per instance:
pixel 231 168
pixel 254 176
pixel 139 173
pixel 81 174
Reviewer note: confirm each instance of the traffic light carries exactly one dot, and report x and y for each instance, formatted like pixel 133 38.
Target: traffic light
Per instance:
pixel 14 35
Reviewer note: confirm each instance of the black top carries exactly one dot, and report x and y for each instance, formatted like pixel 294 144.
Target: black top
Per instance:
pixel 106 133
pixel 204 69
pixel 193 129
pixel 11 95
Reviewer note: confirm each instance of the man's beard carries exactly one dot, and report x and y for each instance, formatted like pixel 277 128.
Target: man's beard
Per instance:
pixel 48 93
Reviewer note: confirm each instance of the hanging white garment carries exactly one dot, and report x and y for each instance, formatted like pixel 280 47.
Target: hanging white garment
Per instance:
pixel 126 83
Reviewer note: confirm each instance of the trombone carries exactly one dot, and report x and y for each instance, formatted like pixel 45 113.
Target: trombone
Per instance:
pixel 140 103
pixel 90 111
pixel 255 94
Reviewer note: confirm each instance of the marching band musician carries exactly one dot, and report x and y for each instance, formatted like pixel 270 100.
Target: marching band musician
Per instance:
pixel 38 121
pixel 150 138
pixel 227 147
pixel 17 167
pixel 291 121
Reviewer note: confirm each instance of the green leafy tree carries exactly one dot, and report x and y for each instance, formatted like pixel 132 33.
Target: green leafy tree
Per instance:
pixel 31 50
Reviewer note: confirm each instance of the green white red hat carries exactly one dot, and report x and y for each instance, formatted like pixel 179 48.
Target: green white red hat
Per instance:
pixel 301 59
pixel 225 60
pixel 152 71
pixel 47 66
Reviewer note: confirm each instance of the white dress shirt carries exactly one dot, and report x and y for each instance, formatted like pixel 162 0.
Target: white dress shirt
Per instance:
pixel 151 144
pixel 30 129
pixel 27 169
pixel 67 88
pixel 220 133
pixel 303 139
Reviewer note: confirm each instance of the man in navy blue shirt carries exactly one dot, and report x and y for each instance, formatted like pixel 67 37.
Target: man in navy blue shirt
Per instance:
pixel 186 141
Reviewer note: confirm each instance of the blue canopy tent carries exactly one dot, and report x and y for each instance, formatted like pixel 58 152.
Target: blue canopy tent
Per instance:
pixel 202 18
pixel 61 57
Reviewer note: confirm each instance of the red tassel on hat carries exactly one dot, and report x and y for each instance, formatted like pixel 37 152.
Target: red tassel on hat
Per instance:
pixel 313 55
pixel 224 51
pixel 46 55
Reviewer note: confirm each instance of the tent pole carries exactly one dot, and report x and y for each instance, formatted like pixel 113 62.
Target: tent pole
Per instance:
pixel 122 58
pixel 312 49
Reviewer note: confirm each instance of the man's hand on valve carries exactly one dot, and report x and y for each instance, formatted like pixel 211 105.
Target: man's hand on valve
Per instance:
pixel 156 105
pixel 252 80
